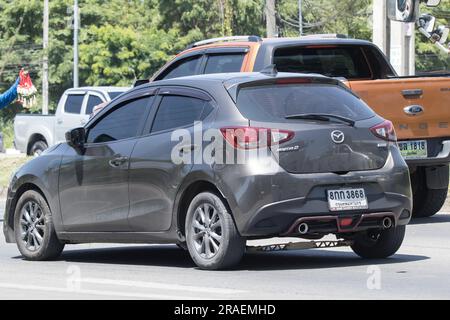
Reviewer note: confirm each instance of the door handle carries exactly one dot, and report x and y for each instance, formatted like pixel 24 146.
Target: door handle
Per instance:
pixel 59 121
pixel 415 93
pixel 83 122
pixel 117 162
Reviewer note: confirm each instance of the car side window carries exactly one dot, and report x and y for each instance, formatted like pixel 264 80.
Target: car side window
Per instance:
pixel 121 123
pixel 223 63
pixel 180 111
pixel 92 102
pixel 74 102
pixel 181 68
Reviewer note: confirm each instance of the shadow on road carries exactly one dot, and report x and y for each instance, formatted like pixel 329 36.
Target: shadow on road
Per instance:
pixel 439 218
pixel 171 256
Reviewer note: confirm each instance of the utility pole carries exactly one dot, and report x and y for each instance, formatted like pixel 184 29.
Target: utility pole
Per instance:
pixel 300 18
pixel 76 26
pixel 271 20
pixel 381 26
pixel 45 60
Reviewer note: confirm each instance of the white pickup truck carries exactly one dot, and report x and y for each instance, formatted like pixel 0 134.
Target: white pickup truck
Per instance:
pixel 35 133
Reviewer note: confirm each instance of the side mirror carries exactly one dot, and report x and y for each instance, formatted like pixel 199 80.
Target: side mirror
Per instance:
pixel 76 138
pixel 403 10
pixel 427 22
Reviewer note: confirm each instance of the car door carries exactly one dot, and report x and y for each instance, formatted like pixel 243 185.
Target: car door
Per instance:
pixel 69 115
pixel 94 182
pixel 154 176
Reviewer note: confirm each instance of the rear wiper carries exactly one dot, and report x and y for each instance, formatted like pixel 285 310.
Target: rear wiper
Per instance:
pixel 320 117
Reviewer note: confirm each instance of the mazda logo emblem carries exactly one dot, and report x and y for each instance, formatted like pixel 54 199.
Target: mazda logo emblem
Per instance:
pixel 337 136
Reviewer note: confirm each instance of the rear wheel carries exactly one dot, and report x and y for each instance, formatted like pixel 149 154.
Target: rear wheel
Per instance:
pixel 379 244
pixel 38 147
pixel 211 235
pixel 33 226
pixel 427 202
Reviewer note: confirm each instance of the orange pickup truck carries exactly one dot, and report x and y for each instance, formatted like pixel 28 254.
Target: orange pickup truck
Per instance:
pixel 419 107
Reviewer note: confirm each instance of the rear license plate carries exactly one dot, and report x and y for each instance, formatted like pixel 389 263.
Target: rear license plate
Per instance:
pixel 413 149
pixel 347 199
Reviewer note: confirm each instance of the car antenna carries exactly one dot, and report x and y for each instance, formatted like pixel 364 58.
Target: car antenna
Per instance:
pixel 270 70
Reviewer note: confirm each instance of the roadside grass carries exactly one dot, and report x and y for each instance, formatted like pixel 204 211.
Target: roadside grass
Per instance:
pixel 7 129
pixel 8 164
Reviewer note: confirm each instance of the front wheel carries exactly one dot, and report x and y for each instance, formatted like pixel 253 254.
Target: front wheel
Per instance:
pixel 379 244
pixel 211 235
pixel 33 227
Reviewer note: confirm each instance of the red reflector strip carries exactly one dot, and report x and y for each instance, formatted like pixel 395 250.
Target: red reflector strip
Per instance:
pixel 294 81
pixel 346 222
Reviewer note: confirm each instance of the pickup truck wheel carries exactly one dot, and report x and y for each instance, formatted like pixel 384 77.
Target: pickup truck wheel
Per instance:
pixel 211 235
pixel 33 227
pixel 427 202
pixel 379 244
pixel 38 147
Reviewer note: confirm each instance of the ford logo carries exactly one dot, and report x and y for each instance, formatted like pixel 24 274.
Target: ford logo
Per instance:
pixel 414 110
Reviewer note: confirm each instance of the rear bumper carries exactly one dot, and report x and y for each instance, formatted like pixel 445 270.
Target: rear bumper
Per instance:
pixel 266 204
pixel 443 157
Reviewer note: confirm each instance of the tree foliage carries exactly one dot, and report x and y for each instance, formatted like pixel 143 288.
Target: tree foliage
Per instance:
pixel 121 40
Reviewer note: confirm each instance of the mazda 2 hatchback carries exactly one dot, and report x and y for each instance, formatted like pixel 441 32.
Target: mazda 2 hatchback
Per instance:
pixel 209 162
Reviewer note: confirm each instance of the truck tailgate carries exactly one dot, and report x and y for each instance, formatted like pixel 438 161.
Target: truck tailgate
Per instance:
pixel 389 98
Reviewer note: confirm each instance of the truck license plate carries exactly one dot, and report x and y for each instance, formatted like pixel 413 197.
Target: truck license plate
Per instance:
pixel 413 149
pixel 347 199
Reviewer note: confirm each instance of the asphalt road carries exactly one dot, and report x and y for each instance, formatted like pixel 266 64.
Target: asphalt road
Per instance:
pixel 420 270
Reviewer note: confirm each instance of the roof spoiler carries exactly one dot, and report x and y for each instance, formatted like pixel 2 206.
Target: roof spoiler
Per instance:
pixel 138 83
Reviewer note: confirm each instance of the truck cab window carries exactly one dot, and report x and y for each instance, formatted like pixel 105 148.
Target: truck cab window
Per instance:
pixel 74 103
pixel 182 68
pixel 93 101
pixel 334 61
pixel 223 63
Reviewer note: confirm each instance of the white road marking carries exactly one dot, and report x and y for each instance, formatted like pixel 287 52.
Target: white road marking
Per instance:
pixel 162 286
pixel 98 292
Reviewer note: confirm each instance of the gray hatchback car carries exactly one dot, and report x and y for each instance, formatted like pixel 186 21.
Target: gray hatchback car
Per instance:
pixel 209 162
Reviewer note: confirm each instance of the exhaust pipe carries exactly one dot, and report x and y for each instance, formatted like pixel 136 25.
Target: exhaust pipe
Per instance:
pixel 303 228
pixel 387 223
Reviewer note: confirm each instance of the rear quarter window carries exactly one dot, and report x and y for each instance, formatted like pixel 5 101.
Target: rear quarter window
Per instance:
pixel 273 103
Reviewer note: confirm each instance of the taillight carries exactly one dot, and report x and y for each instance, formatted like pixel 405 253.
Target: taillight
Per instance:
pixel 252 138
pixel 385 131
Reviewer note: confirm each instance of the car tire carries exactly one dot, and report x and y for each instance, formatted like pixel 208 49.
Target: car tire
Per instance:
pixel 379 244
pixel 33 227
pixel 427 202
pixel 38 147
pixel 213 241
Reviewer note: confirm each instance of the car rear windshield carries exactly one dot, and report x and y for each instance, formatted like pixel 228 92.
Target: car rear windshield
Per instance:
pixel 345 61
pixel 274 103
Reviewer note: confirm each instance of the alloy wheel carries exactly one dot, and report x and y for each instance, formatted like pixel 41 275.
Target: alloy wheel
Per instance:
pixel 32 226
pixel 207 231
